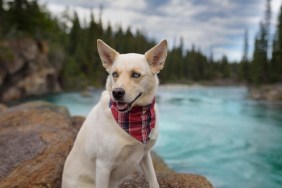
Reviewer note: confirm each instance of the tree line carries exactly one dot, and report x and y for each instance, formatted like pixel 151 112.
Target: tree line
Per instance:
pixel 265 67
pixel 81 65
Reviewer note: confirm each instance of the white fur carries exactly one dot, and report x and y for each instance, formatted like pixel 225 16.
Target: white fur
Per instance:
pixel 104 154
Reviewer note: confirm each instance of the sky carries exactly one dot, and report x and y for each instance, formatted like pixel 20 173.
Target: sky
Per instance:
pixel 215 26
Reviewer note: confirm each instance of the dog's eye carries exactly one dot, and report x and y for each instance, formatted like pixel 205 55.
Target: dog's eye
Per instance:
pixel 115 74
pixel 136 75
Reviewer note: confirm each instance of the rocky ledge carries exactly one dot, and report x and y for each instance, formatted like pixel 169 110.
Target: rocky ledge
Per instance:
pixel 27 69
pixel 266 92
pixel 35 139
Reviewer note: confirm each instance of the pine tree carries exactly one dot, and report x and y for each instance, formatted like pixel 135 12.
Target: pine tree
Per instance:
pixel 1 7
pixel 276 61
pixel 246 46
pixel 259 67
pixel 74 36
pixel 267 23
pixel 91 47
pixel 210 70
pixel 26 17
pixel 179 59
pixel 225 69
pixel 109 34
pixel 279 54
pixel 17 15
pixel 2 19
pixel 74 67
pixel 244 72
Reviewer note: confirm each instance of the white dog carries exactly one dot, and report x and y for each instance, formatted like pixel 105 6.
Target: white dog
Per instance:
pixel 120 131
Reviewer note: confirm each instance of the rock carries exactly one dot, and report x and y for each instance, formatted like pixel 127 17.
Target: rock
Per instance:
pixel 159 164
pixel 86 93
pixel 34 84
pixel 35 139
pixel 76 123
pixel 2 75
pixel 25 69
pixel 266 92
pixel 168 180
pixel 3 108
pixel 10 60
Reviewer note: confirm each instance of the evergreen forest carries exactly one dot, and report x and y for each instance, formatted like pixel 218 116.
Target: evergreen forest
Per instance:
pixel 75 41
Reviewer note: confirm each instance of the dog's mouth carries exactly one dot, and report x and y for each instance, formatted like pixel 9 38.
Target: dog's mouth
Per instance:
pixel 124 107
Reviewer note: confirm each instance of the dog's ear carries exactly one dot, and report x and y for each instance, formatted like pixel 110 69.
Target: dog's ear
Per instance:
pixel 107 54
pixel 156 57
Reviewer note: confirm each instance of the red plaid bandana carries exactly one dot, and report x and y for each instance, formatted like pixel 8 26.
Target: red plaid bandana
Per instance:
pixel 137 122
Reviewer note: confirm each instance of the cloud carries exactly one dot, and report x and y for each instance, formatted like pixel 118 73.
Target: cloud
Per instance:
pixel 209 24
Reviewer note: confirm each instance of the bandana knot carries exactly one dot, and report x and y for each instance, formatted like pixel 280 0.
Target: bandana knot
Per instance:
pixel 138 122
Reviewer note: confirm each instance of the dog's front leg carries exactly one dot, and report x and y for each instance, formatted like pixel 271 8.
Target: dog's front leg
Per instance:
pixel 149 171
pixel 103 172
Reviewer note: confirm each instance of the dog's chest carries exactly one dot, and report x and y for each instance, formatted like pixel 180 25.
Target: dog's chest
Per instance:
pixel 128 159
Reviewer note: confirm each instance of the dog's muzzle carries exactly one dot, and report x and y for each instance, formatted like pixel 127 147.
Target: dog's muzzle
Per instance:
pixel 124 107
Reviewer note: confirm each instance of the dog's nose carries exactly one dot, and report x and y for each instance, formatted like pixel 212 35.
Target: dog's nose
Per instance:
pixel 118 93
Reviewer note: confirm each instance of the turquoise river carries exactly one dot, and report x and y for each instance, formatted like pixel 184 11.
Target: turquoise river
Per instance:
pixel 213 131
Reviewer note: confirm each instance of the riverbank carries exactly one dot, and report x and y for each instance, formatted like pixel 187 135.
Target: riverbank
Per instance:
pixel 269 92
pixel 266 92
pixel 36 138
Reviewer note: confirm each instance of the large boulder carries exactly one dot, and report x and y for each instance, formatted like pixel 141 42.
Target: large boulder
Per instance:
pixel 25 69
pixel 35 139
